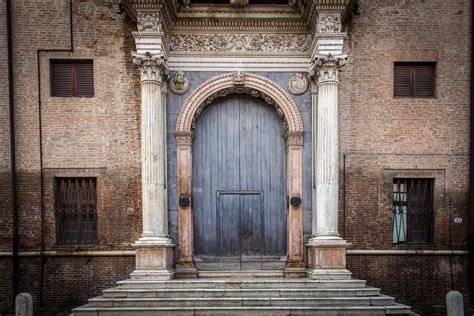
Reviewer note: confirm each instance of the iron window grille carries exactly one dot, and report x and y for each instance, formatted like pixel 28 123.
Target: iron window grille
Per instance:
pixel 76 210
pixel 414 79
pixel 72 78
pixel 413 216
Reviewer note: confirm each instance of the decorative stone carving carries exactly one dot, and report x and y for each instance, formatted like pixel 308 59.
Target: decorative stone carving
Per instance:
pixel 179 84
pixel 294 139
pixel 278 97
pixel 298 84
pixel 239 78
pixel 151 66
pixel 239 3
pixel 329 22
pixel 239 42
pixel 184 138
pixel 327 67
pixel 150 22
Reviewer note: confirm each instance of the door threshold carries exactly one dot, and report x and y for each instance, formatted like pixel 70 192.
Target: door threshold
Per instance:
pixel 241 274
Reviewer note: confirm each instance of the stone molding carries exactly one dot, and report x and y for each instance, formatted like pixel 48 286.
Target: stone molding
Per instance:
pixel 326 68
pixel 258 43
pixel 255 85
pixel 151 67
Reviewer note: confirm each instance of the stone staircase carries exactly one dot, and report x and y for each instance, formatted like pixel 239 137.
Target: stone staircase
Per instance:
pixel 217 295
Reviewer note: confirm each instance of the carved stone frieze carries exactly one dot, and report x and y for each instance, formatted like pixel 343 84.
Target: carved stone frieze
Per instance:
pixel 240 42
pixel 326 68
pixel 298 84
pixel 179 84
pixel 150 66
pixel 329 22
pixel 150 22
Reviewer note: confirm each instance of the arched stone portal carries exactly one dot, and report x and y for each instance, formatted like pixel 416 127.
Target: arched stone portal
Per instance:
pixel 259 87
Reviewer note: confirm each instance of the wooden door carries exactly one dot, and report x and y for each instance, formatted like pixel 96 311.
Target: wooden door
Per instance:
pixel 239 185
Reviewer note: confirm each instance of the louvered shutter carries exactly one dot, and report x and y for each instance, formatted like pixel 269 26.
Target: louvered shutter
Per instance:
pixel 61 79
pixel 424 80
pixel 84 79
pixel 402 80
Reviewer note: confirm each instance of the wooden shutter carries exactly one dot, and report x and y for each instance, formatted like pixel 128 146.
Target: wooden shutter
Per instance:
pixel 424 80
pixel 402 80
pixel 61 79
pixel 414 79
pixel 84 79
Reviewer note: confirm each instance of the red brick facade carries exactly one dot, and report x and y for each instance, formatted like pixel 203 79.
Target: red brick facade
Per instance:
pixel 381 137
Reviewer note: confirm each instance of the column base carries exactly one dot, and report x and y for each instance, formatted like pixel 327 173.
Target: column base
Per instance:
pixel 327 259
pixel 153 261
pixel 326 253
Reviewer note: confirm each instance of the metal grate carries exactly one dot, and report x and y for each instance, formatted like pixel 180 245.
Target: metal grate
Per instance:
pixel 413 210
pixel 76 210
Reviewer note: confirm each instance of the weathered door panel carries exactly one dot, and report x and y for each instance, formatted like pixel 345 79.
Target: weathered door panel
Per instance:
pixel 239 183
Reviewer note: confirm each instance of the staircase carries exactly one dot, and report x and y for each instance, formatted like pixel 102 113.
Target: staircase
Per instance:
pixel 242 295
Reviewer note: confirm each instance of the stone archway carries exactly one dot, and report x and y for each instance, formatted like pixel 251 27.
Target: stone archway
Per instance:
pixel 259 87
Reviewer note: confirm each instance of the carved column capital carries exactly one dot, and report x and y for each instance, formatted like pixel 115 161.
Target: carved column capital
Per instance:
pixel 152 67
pixel 326 68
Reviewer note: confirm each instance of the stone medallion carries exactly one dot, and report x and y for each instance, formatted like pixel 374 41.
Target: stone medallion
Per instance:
pixel 298 84
pixel 179 84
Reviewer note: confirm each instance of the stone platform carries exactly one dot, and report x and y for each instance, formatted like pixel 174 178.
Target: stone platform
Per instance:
pixel 242 296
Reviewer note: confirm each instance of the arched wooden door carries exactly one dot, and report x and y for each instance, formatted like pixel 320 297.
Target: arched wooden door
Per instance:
pixel 239 186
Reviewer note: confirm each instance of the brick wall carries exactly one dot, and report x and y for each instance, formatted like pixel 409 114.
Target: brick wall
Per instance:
pixel 382 136
pixel 96 136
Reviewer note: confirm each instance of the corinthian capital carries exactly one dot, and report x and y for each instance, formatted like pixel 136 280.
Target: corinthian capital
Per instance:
pixel 152 67
pixel 325 68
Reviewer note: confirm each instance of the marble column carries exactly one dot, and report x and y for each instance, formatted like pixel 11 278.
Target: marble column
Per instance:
pixel 154 250
pixel 326 249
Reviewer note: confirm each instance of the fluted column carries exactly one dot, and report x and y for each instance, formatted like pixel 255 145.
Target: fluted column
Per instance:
pixel 326 249
pixel 154 249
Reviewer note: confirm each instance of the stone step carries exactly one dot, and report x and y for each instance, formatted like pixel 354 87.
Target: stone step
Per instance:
pixel 243 301
pixel 240 274
pixel 89 310
pixel 273 292
pixel 259 283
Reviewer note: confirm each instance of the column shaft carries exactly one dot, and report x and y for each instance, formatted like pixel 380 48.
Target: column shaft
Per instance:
pixel 153 142
pixel 326 164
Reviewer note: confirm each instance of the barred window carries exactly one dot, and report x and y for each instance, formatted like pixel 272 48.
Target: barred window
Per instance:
pixel 76 210
pixel 413 210
pixel 72 78
pixel 414 79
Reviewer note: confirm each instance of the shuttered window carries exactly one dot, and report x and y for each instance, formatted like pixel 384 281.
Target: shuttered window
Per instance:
pixel 72 78
pixel 414 79
pixel 413 218
pixel 76 210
